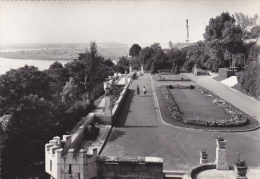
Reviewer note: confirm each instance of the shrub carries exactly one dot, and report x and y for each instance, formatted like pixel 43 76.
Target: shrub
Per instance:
pixel 250 82
pixel 192 87
pixel 240 76
pixel 98 91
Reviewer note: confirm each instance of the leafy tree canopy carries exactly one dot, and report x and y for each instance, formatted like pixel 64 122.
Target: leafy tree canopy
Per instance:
pixel 16 84
pixel 134 50
pixel 244 21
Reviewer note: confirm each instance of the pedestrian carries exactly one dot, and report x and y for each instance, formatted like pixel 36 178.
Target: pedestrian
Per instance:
pixel 144 90
pixel 137 90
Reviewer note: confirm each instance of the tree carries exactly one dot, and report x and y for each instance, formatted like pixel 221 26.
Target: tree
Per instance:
pixel 134 50
pixel 70 92
pixel 188 65
pixel 175 57
pixel 244 21
pixel 16 84
pixel 222 35
pixel 92 70
pixel 216 25
pixel 144 56
pixel 56 65
pixel 170 45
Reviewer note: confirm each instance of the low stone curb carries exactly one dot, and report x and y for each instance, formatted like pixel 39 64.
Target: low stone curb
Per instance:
pixel 193 171
pixel 159 116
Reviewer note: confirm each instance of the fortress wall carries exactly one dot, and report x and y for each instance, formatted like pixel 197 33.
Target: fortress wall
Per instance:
pixel 78 136
pixel 130 167
pixel 61 159
pixel 121 98
pixel 62 165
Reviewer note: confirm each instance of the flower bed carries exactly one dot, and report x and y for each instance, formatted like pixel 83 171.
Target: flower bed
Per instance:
pixel 178 78
pixel 181 87
pixel 236 117
pixel 114 95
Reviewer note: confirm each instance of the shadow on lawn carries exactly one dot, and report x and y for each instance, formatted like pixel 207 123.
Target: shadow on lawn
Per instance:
pixel 125 109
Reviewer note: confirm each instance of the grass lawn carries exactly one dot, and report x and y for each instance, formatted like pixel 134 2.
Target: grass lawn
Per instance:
pixel 195 102
pixel 219 78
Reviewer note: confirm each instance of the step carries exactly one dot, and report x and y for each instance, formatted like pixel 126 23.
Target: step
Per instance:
pixel 173 174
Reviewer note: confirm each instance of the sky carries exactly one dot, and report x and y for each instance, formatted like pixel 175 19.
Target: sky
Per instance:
pixel 129 22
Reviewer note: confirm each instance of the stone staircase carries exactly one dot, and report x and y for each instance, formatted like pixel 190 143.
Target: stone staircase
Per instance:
pixel 173 174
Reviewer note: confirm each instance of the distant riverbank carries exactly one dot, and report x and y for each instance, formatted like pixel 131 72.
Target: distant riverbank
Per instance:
pixel 8 64
pixel 60 51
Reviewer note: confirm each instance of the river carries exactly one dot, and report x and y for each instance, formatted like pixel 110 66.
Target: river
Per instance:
pixel 7 64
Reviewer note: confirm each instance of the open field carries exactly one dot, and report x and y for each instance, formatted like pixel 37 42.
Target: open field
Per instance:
pixel 63 52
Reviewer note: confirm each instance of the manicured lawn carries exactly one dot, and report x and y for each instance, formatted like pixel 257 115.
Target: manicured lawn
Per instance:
pixel 192 104
pixel 219 78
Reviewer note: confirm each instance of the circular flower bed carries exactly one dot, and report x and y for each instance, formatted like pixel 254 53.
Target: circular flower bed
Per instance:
pixel 236 117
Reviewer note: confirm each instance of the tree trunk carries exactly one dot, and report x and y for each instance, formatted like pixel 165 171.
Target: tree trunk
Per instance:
pixel 173 67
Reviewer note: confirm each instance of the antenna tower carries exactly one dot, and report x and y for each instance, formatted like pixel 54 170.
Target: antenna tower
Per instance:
pixel 187 25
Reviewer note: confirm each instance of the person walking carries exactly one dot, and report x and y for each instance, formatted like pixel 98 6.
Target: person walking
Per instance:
pixel 137 90
pixel 144 90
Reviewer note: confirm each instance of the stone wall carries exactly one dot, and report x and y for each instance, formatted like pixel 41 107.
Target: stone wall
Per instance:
pixel 61 159
pixel 61 165
pixel 226 73
pixel 130 167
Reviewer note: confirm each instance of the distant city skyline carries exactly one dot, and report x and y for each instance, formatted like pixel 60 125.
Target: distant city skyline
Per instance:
pixel 127 22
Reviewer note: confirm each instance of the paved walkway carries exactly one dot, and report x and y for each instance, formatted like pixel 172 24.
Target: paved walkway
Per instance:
pixel 139 132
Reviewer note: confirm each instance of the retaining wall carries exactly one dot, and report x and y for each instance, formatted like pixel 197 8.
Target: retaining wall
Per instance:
pixel 130 167
pixel 62 158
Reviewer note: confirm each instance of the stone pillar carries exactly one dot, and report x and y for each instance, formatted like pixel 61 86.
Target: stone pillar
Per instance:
pixel 195 70
pixel 221 155
pixel 142 69
pixel 130 69
pixel 126 79
pixel 203 157
pixel 107 113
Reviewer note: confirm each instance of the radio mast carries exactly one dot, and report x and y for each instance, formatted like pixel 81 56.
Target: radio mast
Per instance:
pixel 187 25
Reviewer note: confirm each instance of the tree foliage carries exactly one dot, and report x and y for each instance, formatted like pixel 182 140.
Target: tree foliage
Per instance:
pixel 244 21
pixel 16 84
pixel 134 50
pixel 33 99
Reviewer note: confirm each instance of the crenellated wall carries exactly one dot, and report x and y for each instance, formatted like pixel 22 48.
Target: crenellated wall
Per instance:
pixel 64 159
pixel 61 165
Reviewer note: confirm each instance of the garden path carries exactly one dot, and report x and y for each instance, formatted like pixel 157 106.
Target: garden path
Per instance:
pixel 139 132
